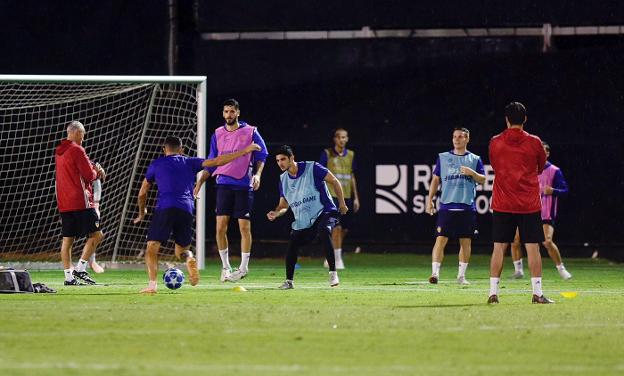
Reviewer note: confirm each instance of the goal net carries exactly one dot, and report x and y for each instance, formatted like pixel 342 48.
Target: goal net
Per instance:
pixel 126 119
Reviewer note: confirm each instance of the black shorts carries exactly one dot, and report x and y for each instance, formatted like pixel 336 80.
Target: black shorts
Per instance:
pixel 346 220
pixel 529 226
pixel 171 220
pixel 456 224
pixel 325 222
pixel 76 224
pixel 237 203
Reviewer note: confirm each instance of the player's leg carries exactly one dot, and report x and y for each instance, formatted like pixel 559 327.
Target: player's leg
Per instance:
pixel 503 231
pixel 66 249
pixel 465 227
pixel 324 227
pixel 158 232
pixel 464 259
pixel 437 255
pixel 496 268
pixel 183 236
pixel 224 209
pixel 151 264
pixel 516 257
pixel 553 250
pixel 242 211
pixel 532 235
pixel 295 240
pixel 90 224
pixel 94 265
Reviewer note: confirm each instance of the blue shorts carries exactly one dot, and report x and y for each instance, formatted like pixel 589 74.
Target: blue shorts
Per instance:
pixel 166 221
pixel 456 224
pixel 237 203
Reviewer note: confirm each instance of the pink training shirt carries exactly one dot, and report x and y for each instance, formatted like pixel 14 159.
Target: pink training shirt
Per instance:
pixel 231 142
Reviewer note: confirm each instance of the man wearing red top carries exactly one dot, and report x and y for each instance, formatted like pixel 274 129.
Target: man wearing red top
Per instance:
pixel 517 158
pixel 74 195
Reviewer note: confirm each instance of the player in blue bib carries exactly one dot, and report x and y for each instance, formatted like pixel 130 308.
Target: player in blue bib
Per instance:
pixel 456 173
pixel 303 188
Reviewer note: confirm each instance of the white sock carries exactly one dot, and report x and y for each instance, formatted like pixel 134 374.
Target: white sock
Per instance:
pixel 152 285
pixel 225 260
pixel 68 274
pixel 462 269
pixel 92 258
pixel 560 267
pixel 338 254
pixel 81 266
pixel 244 265
pixel 494 285
pixel 435 268
pixel 537 286
pixel 518 266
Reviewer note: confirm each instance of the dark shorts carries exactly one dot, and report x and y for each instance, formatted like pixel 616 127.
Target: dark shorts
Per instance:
pixel 76 224
pixel 345 220
pixel 326 222
pixel 171 220
pixel 237 203
pixel 529 226
pixel 456 224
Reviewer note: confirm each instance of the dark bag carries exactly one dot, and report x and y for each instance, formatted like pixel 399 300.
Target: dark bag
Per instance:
pixel 15 281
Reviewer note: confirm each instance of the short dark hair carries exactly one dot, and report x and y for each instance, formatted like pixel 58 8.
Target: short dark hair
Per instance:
pixel 546 146
pixel 284 150
pixel 231 102
pixel 463 129
pixel 173 142
pixel 515 112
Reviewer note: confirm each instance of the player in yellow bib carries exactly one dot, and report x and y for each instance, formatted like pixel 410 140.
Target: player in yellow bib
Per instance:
pixel 340 161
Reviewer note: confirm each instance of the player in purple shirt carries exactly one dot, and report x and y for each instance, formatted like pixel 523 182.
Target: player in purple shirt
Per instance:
pixel 174 174
pixel 552 186
pixel 236 184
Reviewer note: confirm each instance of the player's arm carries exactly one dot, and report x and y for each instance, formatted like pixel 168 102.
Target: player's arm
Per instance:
pixel 433 190
pixel 141 200
pixel 335 183
pixel 88 172
pixel 356 194
pixel 479 178
pixel 258 157
pixel 227 158
pixel 280 210
pixel 200 181
pixel 559 187
pixel 255 179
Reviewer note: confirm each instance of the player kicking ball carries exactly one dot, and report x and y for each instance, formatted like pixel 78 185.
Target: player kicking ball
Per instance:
pixel 303 188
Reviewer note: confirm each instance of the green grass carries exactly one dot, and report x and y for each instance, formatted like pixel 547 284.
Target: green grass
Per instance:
pixel 383 319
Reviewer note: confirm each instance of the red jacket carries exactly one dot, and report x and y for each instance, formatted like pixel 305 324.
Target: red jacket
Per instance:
pixel 517 158
pixel 74 174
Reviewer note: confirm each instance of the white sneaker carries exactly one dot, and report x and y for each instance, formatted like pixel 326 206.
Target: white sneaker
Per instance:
pixel 517 275
pixel 225 274
pixel 333 279
pixel 340 265
pixel 287 285
pixel 462 281
pixel 565 275
pixel 237 275
pixel 325 264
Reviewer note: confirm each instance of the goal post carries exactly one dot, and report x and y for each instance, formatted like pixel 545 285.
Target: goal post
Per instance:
pixel 127 119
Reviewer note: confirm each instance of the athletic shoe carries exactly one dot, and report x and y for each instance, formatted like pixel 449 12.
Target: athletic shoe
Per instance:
pixel 73 282
pixel 237 275
pixel 97 268
pixel 148 290
pixel 225 274
pixel 541 300
pixel 191 266
pixel 333 279
pixel 493 299
pixel 517 275
pixel 325 264
pixel 84 276
pixel 339 265
pixel 565 275
pixel 433 279
pixel 462 281
pixel 287 285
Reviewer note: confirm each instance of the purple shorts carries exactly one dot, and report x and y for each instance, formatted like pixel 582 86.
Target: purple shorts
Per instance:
pixel 456 224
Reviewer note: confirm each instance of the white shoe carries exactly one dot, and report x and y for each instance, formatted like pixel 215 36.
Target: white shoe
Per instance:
pixel 565 275
pixel 237 275
pixel 287 285
pixel 225 274
pixel 340 265
pixel 517 275
pixel 462 281
pixel 325 264
pixel 333 279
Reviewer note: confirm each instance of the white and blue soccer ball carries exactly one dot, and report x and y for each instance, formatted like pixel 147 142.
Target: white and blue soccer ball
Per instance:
pixel 173 278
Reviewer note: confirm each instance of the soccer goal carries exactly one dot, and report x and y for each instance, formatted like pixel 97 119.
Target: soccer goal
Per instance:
pixel 127 119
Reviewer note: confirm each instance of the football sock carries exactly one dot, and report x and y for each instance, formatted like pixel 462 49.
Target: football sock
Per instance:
pixel 244 265
pixel 518 266
pixel 338 254
pixel 225 260
pixel 537 286
pixel 435 268
pixel 81 266
pixel 494 285
pixel 68 275
pixel 560 267
pixel 92 258
pixel 462 269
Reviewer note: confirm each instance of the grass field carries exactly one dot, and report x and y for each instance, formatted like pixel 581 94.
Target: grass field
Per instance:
pixel 383 319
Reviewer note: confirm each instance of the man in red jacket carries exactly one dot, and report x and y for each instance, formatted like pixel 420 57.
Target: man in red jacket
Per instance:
pixel 517 158
pixel 74 195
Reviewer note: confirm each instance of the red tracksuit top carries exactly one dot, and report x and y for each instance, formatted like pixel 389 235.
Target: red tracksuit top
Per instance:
pixel 517 158
pixel 74 174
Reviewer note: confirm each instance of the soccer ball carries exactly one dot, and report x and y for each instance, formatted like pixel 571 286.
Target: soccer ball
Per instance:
pixel 173 278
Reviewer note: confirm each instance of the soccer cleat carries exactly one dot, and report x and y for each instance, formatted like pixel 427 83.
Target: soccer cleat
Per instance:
pixel 191 266
pixel 493 299
pixel 96 267
pixel 83 276
pixel 433 279
pixel 73 282
pixel 340 265
pixel 462 281
pixel 333 279
pixel 541 300
pixel 287 285
pixel 237 275
pixel 565 275
pixel 517 275
pixel 225 274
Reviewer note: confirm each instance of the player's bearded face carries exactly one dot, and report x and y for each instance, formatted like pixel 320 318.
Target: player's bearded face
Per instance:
pixel 283 162
pixel 230 114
